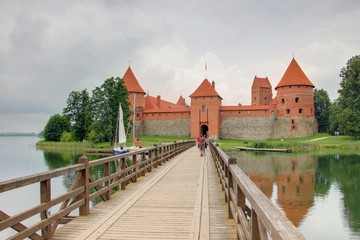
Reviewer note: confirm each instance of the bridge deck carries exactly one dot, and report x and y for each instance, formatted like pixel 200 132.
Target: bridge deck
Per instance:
pixel 182 199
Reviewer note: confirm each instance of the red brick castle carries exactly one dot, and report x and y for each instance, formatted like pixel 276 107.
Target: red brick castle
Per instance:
pixel 289 114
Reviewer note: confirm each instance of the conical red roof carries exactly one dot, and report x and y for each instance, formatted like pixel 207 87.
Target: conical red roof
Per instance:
pixel 181 101
pixel 294 76
pixel 205 90
pixel 131 82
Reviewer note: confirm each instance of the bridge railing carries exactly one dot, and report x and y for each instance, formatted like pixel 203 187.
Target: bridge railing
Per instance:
pixel 95 179
pixel 256 217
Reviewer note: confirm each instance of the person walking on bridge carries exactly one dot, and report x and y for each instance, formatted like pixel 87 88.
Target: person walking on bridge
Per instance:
pixel 202 146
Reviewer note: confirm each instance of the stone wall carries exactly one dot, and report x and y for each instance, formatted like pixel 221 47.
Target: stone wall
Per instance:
pixel 258 128
pixel 166 127
pixel 247 128
pixel 286 127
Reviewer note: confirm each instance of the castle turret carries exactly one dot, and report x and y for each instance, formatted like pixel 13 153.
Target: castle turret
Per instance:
pixel 295 101
pixel 261 93
pixel 205 108
pixel 136 93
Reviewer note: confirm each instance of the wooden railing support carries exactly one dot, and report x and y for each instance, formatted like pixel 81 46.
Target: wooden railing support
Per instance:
pixel 261 219
pixel 79 195
pixel 232 160
pixel 84 181
pixel 45 197
pixel 107 183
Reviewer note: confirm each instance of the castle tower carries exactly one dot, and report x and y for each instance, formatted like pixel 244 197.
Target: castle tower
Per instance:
pixel 295 101
pixel 136 93
pixel 205 106
pixel 261 93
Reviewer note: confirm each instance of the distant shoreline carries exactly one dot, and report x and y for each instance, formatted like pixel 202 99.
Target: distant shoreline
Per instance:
pixel 18 134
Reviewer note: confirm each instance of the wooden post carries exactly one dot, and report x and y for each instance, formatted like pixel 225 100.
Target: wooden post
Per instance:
pixel 240 199
pixel 45 196
pixel 134 163
pixel 122 167
pixel 107 183
pixel 231 160
pixel 255 233
pixel 160 152
pixel 84 181
pixel 143 165
pixel 156 156
pixel 151 160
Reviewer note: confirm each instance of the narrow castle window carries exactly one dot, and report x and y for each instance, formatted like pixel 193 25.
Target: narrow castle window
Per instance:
pixel 297 99
pixel 282 100
pixel 300 110
pixel 287 111
pixel 203 108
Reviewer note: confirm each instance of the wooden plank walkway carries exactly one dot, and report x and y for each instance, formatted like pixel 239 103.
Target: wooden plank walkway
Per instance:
pixel 182 199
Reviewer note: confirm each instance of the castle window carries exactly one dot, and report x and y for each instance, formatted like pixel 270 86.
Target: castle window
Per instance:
pixel 282 100
pixel 300 110
pixel 203 108
pixel 292 121
pixel 287 111
pixel 297 99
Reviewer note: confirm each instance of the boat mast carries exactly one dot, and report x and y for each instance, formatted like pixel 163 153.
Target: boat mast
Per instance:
pixel 134 116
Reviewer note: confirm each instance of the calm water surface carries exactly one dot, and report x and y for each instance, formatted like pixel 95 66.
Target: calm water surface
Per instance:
pixel 19 157
pixel 319 194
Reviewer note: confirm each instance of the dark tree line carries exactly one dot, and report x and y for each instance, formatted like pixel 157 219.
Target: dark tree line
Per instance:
pixel 343 114
pixel 92 118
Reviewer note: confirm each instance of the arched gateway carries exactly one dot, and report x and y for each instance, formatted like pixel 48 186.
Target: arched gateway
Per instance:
pixel 204 130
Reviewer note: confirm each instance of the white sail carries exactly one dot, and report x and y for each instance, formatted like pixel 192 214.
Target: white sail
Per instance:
pixel 121 127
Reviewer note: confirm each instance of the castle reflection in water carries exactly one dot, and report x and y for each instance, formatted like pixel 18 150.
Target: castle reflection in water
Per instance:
pixel 287 179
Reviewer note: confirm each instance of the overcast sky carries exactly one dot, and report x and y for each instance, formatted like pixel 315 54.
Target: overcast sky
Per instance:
pixel 50 48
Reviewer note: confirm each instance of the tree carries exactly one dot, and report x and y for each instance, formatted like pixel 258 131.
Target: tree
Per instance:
pixel 56 125
pixel 105 104
pixel 78 110
pixel 349 98
pixel 322 109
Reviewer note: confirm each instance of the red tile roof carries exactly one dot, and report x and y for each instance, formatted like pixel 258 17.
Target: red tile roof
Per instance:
pixel 165 106
pixel 205 90
pixel 181 101
pixel 131 82
pixel 262 82
pixel 294 76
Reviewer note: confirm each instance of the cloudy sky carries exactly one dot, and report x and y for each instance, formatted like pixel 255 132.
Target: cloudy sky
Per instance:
pixel 50 48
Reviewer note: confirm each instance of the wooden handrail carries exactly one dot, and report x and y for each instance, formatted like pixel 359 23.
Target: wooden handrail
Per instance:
pixel 256 217
pixel 85 187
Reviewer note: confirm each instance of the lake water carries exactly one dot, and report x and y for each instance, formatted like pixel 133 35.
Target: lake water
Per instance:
pixel 318 193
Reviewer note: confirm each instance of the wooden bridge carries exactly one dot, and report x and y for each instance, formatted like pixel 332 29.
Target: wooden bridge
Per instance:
pixel 163 192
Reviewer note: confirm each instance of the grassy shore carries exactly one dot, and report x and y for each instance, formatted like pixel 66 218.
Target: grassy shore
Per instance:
pixel 147 141
pixel 321 141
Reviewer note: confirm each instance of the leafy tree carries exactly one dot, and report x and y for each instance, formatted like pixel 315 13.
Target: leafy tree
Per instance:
pixel 349 98
pixel 105 104
pixel 56 125
pixel 334 117
pixel 322 109
pixel 78 110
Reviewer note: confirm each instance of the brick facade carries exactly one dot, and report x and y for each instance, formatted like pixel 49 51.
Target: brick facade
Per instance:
pixel 289 114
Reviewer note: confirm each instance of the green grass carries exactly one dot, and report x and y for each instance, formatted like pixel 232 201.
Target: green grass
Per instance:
pixel 147 141
pixel 325 143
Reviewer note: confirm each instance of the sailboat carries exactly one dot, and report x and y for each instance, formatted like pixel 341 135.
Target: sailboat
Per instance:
pixel 120 138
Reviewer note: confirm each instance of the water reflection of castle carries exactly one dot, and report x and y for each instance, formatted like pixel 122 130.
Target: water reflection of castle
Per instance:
pixel 293 176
